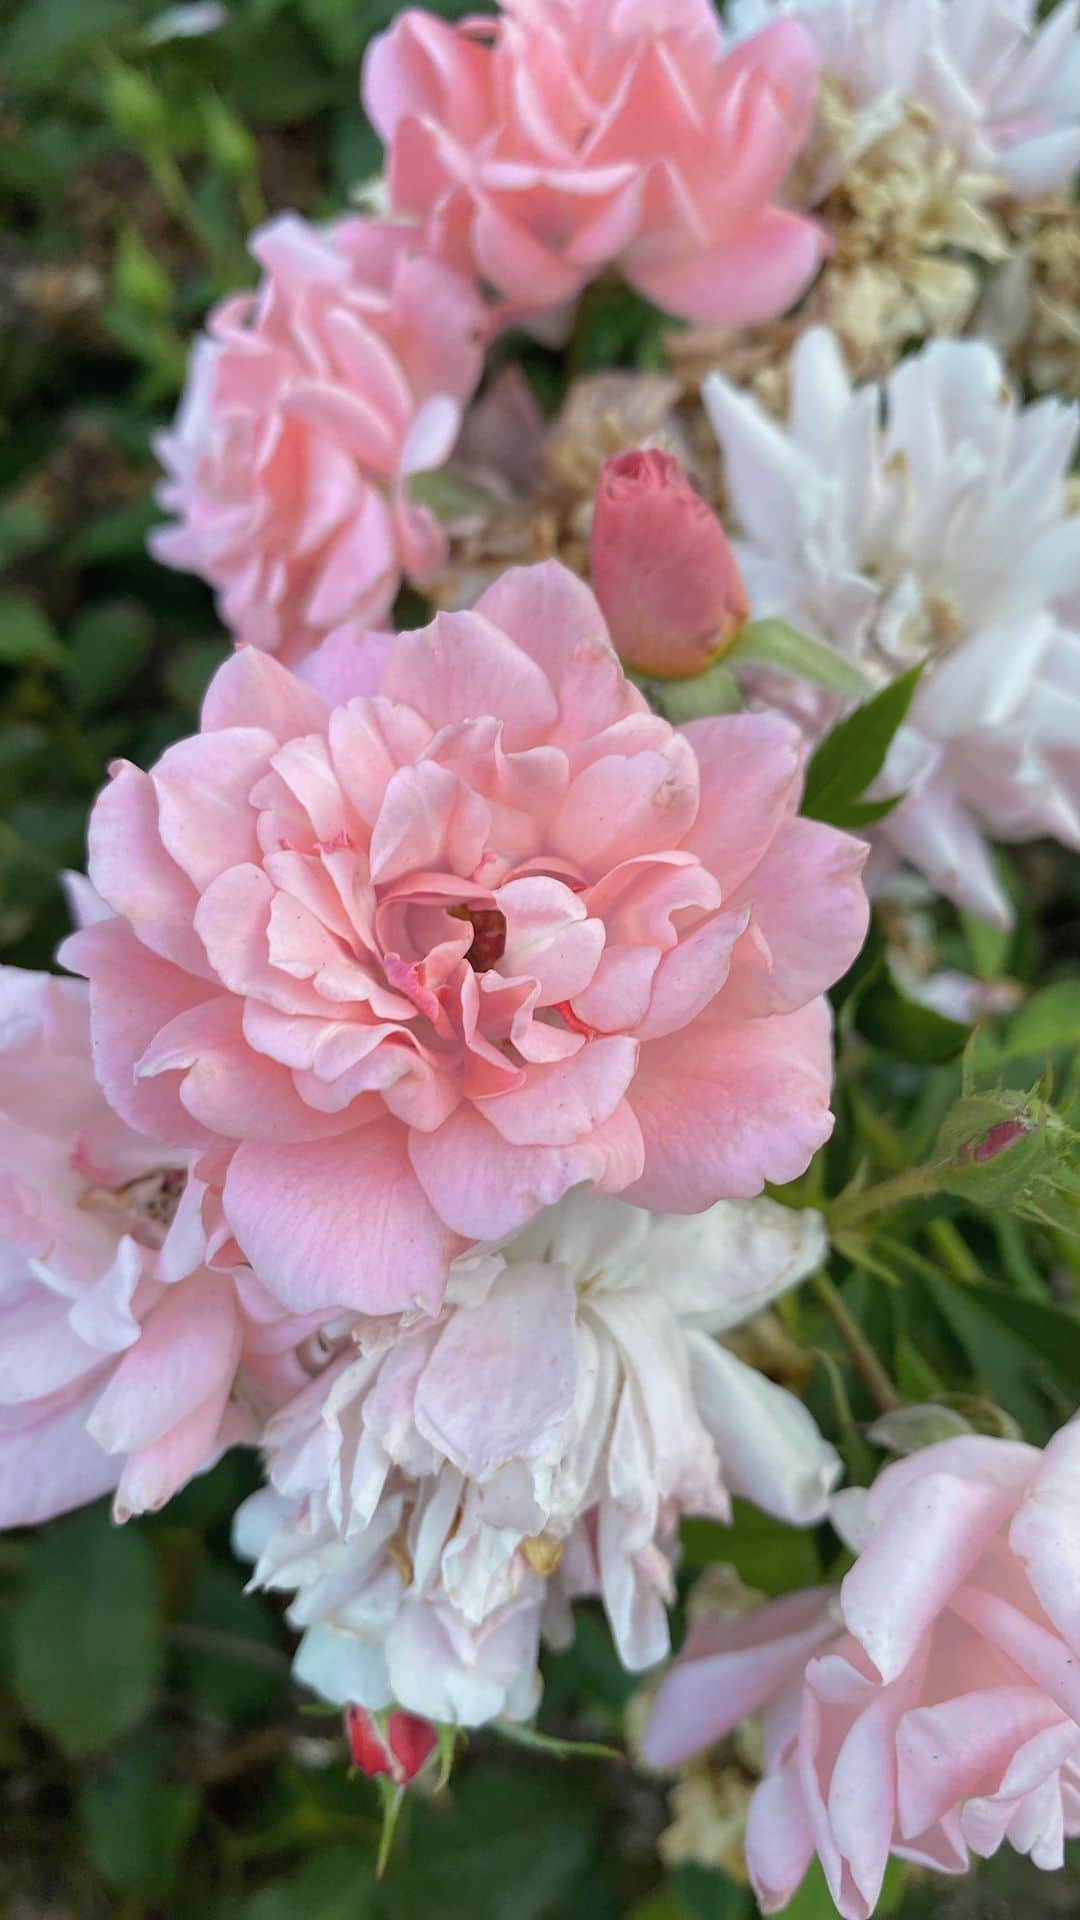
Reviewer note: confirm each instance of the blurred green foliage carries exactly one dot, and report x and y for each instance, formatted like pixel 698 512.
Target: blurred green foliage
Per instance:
pixel 156 1758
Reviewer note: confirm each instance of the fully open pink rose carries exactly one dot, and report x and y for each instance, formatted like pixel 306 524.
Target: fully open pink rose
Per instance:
pixel 946 1718
pixel 309 405
pixel 453 924
pixel 119 1349
pixel 662 569
pixel 538 148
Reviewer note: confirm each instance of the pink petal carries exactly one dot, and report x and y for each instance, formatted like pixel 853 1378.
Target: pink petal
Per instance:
pixel 750 766
pixel 133 872
pixel 341 1224
pixel 485 1188
pixel 253 690
pixel 189 1345
pixel 907 1572
pixel 203 786
pixel 564 1102
pixel 522 1343
pixel 463 665
pixel 723 1109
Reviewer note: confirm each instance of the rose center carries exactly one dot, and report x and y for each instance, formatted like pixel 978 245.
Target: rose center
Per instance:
pixel 489 935
pixel 147 1204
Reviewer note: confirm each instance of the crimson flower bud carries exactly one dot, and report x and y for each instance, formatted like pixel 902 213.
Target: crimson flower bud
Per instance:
pixel 1003 1135
pixel 662 568
pixel 397 1744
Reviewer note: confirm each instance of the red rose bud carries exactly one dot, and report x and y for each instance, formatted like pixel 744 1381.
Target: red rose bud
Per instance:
pixel 662 568
pixel 396 1744
pixel 1004 1135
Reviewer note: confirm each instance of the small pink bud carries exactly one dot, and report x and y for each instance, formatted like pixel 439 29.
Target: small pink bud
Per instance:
pixel 998 1138
pixel 397 1744
pixel 662 568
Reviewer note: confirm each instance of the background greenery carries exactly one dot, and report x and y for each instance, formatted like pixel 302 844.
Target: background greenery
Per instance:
pixel 155 1758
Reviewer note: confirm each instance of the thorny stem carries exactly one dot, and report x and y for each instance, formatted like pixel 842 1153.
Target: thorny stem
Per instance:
pixel 863 1358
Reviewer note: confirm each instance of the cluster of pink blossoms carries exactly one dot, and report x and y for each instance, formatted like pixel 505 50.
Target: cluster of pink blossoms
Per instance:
pixel 446 1010
pixel 388 959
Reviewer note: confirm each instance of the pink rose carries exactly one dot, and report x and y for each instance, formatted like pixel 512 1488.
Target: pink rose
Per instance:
pixel 309 405
pixel 946 1719
pixel 119 1348
pixel 662 569
pixel 563 136
pixel 453 924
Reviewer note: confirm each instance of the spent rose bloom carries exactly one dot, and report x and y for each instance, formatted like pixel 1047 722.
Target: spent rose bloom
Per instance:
pixel 934 1712
pixel 450 1485
pixel 540 147
pixel 309 405
pixel 119 1349
pixel 456 923
pixel 998 87
pixel 927 520
pixel 662 569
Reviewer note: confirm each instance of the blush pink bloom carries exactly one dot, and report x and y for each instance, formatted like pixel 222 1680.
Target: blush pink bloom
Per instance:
pixel 939 1714
pixel 564 136
pixel 310 404
pixel 119 1348
pixel 454 924
pixel 662 569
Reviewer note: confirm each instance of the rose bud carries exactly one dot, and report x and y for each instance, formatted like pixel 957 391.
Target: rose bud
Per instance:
pixel 662 568
pixel 397 1744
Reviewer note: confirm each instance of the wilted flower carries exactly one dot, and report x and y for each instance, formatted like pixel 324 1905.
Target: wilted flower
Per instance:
pixel 537 148
pixel 999 88
pixel 120 1350
pixel 310 404
pixel 939 534
pixel 1028 310
pixel 538 478
pixel 478 926
pixel 935 1713
pixel 662 569
pixel 448 1485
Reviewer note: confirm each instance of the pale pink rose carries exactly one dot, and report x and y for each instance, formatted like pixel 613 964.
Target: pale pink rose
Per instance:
pixel 450 1484
pixel 537 148
pixel 945 1720
pixel 310 403
pixel 474 927
pixel 119 1348
pixel 661 566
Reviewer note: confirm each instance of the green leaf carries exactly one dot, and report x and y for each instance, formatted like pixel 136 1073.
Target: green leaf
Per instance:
pixel 139 280
pixel 764 1552
pixel 108 644
pixel 135 106
pixel 889 1020
pixel 86 1636
pixel 714 691
pixel 27 638
pixel 337 1883
pixel 1050 1019
pixel 504 1845
pixel 228 1649
pixel 850 758
pixel 773 643
pixel 136 1821
pixel 1012 1370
